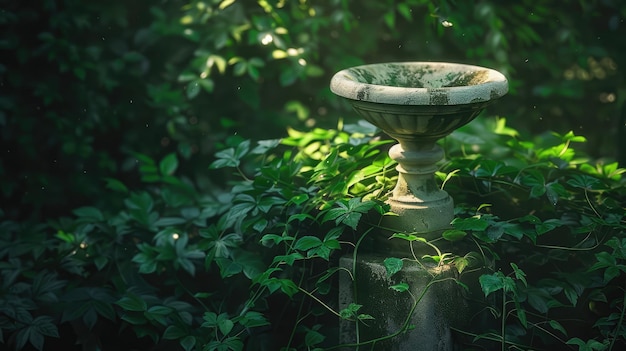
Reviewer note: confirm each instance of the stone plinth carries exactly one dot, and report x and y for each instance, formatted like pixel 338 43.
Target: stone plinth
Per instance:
pixel 441 306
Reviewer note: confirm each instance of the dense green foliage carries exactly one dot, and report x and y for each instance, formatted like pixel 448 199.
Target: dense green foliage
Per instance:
pixel 178 175
pixel 208 271
pixel 86 84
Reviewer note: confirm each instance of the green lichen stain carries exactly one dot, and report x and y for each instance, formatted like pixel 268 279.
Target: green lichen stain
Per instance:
pixel 461 79
pixel 363 75
pixel 411 76
pixel 393 75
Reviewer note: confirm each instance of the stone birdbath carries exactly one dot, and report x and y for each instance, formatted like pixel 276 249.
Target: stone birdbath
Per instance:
pixel 418 103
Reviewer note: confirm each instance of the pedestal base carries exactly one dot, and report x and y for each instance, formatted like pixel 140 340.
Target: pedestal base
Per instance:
pixel 441 306
pixel 416 217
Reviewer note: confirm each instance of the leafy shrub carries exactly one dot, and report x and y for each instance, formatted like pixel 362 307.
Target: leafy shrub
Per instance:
pixel 554 225
pixel 173 264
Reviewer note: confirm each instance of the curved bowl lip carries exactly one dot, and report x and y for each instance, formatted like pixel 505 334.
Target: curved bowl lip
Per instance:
pixel 495 87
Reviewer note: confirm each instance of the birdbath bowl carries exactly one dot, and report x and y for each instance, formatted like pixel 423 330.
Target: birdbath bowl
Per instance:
pixel 418 103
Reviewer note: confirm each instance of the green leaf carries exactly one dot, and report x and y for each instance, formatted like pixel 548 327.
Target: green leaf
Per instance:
pixel 186 77
pixel 168 222
pixel 390 19
pixel 288 76
pixel 231 157
pixel 273 239
pixel 539 299
pixel 288 287
pixel 44 325
pixel 577 341
pixel 476 223
pixel 105 309
pixel 225 158
pixel 188 342
pixel 350 212
pixel 193 89
pixel 547 226
pixel 350 311
pixel 454 234
pixel 162 310
pixel 224 324
pixel 584 181
pixel 557 326
pixel 299 217
pixel 263 146
pixel 100 262
pixel 34 333
pixel 402 287
pixel 240 68
pixel 408 237
pixel 21 338
pixel 299 199
pixel 132 302
pixel 351 219
pixel 254 319
pixel 210 319
pixel 513 229
pixel 571 295
pixel 168 164
pixel 115 185
pixel 90 318
pixel 590 345
pixel 405 11
pixel 496 231
pixel 313 338
pixel 519 274
pixel 307 242
pixel 288 259
pixel 174 332
pixel 393 265
pixel 207 84
pixel 36 339
pixel 225 3
pixel 90 213
pixel 521 314
pixel 491 283
pixel 553 191
pixel 460 263
pixel 253 72
pixel 134 318
pixel 228 267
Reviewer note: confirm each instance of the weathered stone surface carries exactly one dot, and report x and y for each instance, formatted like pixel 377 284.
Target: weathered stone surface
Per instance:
pixel 419 83
pixel 441 306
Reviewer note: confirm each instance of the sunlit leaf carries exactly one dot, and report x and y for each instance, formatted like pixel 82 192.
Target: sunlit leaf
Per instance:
pixel 225 3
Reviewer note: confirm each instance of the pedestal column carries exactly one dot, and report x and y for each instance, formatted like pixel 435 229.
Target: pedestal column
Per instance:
pixel 416 103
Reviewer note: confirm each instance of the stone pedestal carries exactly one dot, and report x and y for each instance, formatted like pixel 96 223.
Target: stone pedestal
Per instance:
pixel 413 325
pixel 416 103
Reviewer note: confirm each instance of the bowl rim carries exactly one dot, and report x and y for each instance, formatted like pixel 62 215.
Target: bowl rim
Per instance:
pixel 343 84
